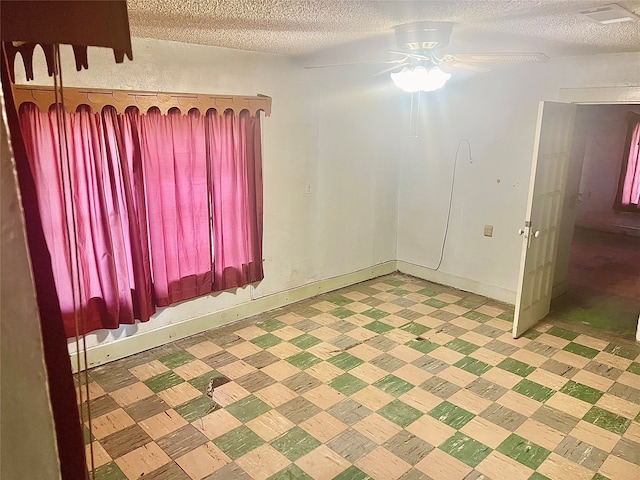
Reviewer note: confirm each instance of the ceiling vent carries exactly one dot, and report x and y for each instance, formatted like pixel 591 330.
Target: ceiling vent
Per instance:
pixel 608 14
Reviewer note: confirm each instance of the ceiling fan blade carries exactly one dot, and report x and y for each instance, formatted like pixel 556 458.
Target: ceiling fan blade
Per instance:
pixel 387 70
pixel 515 57
pixel 410 54
pixel 348 64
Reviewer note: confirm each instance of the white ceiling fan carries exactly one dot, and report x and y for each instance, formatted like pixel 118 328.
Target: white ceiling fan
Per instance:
pixel 421 67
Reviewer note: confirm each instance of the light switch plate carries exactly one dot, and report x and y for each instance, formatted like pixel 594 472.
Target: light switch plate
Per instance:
pixel 488 230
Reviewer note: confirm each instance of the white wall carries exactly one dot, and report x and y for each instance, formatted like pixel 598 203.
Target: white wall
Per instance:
pixel 601 169
pixel 496 112
pixel 328 132
pixel 28 446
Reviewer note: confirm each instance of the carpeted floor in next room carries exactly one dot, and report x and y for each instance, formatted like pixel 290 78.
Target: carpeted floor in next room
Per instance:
pixel 392 378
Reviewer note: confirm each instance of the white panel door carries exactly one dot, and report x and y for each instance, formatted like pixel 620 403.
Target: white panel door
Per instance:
pixel 540 232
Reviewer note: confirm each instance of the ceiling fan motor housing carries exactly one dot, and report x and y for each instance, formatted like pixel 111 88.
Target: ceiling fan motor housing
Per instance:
pixel 421 36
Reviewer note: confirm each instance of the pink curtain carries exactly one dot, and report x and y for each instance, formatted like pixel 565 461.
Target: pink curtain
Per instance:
pixel 631 186
pixel 97 213
pixel 175 168
pixel 236 171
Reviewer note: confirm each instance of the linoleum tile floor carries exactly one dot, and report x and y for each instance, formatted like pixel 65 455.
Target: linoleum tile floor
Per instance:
pixel 393 378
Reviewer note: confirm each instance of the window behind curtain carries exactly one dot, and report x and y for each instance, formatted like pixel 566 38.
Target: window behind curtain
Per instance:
pixel 628 196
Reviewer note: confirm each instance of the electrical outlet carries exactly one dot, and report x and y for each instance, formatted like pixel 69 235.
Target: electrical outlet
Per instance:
pixel 488 230
pixel 308 188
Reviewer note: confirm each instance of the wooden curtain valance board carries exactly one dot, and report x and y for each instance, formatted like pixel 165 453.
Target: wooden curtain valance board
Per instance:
pixel 97 99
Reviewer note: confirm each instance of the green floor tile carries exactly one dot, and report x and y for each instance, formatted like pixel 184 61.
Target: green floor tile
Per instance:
pixel 394 282
pixel 461 346
pixel 195 408
pixel 247 408
pixel 434 302
pixel 415 328
pixel 266 341
pixel 562 333
pixel 523 451
pixel 88 437
pixel 634 368
pixel 429 291
pixel 629 352
pixel 305 341
pixel 607 420
pixel 599 476
pixel 465 449
pixel 393 385
pixel 345 361
pixel 581 392
pixel 341 312
pixel 532 334
pixel 304 360
pixel 533 390
pixel 238 441
pixel 292 472
pixel 516 366
pixel 477 316
pixel 272 325
pixel 295 443
pixel 507 316
pixel 538 476
pixel 424 346
pixel 109 471
pixel 451 415
pixel 472 365
pixel 581 350
pixel 378 327
pixel 177 359
pixel 339 300
pixel 375 314
pixel 353 473
pixel 401 292
pixel 400 413
pixel 202 382
pixel 347 384
pixel 163 381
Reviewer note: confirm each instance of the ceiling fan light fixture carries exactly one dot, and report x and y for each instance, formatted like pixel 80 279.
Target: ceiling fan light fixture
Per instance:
pixel 420 78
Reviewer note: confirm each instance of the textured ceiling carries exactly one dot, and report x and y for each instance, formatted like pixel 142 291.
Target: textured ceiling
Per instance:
pixel 304 28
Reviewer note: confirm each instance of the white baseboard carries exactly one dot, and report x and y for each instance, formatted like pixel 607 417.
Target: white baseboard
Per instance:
pixel 124 347
pixel 466 284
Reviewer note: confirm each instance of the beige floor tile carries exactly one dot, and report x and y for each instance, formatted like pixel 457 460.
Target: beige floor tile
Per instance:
pixel 431 430
pixel 440 338
pixel 276 395
pixel 280 370
pixel 570 359
pixel 377 428
pixel 519 403
pixel 633 432
pixel 204 349
pixel 497 466
pixel 457 376
pixel 324 318
pixel 390 308
pixel 325 371
pixel 250 332
pixel 181 393
pixel 456 310
pixel 131 394
pixel 290 318
pixel 284 350
pixel 382 464
pixel 619 469
pixel 541 434
pixel 420 399
pixel 359 319
pixel 163 423
pixel 426 310
pixel 489 310
pixel 287 333
pixel 368 372
pixel 237 369
pixel 400 336
pixel 506 327
pixel 553 341
pixel 568 404
pixel 559 468
pixel 326 333
pixel 216 423
pixel 229 393
pixel 270 425
pixel 203 461
pixel 613 360
pixel 441 466
pixel 324 396
pixel 592 342
pixel 148 370
pixel 111 422
pixel 323 426
pixel 629 379
pixel 245 349
pixel 502 377
pixel 487 356
pixel 262 462
pixel 358 308
pixel 193 369
pixel 372 398
pixel 448 297
pixel 596 436
pixel 95 391
pixel 548 379
pixel 618 405
pixel 405 353
pixel 364 352
pixel 362 334
pixel 507 337
pixel 485 432
pixel 324 306
pixel 473 337
pixel 143 460
pixel 530 358
pixel 412 374
pixel 100 455
pixel 446 355
pixel 355 296
pixel 469 401
pixel 324 350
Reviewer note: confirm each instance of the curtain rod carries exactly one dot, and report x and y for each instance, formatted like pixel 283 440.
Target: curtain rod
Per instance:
pixel 97 99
